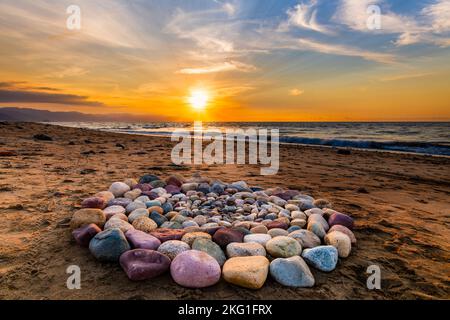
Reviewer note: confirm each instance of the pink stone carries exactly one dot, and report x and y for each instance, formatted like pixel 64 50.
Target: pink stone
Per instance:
pixel 166 234
pixel 345 230
pixel 225 236
pixel 195 269
pixel 141 240
pixel 84 234
pixel 342 219
pixel 143 264
pixel 94 203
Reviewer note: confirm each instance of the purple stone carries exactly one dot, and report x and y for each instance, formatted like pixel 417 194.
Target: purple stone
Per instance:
pixel 342 219
pixel 123 202
pixel 94 203
pixel 141 240
pixel 143 264
pixel 150 194
pixel 195 269
pixel 225 236
pixel 143 186
pixel 172 189
pixel 84 234
pixel 277 224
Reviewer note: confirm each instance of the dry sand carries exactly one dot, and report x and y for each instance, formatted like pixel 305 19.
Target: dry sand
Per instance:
pixel 400 203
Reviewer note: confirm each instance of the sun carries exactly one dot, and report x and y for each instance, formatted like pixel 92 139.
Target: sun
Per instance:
pixel 198 99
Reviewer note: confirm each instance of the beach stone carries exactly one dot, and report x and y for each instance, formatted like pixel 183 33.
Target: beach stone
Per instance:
pixel 179 218
pixel 84 234
pixel 292 207
pixel 113 210
pixel 323 258
pixel 141 212
pixel 172 248
pixel 167 207
pixel 118 189
pixel 242 230
pixel 144 224
pixel 248 272
pixel 148 178
pixel 298 215
pixel 109 245
pixel 314 211
pixel 185 187
pixel 260 238
pixel 144 187
pixel 158 218
pixel 157 209
pixel 141 240
pixel 94 203
pixel 211 230
pixel 195 269
pixel 320 219
pixel 291 272
pixel 259 229
pixel 133 194
pixel 277 232
pixel 130 182
pixel 87 216
pixel 283 247
pixel 175 180
pixel 190 237
pixel 298 222
pixel 106 195
pixel 277 224
pixel 340 241
pixel 240 186
pixel 211 248
pixel 189 223
pixel 116 223
pixel 157 184
pixel 172 189
pixel 171 225
pixel 236 249
pixel 153 203
pixel 340 219
pixel 322 203
pixel 120 216
pixel 225 236
pixel 123 202
pixel 316 228
pixel 345 230
pixel 165 234
pixel 134 206
pixel 306 238
pixel 217 188
pixel 143 264
pixel 193 229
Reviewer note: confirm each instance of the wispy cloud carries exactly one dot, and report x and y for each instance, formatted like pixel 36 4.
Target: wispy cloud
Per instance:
pixel 400 77
pixel 221 67
pixel 295 92
pixel 304 15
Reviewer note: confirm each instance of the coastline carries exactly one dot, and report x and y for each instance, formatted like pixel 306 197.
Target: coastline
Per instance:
pixel 399 202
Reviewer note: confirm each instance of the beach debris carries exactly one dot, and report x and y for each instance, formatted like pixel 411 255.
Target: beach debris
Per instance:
pixel 202 229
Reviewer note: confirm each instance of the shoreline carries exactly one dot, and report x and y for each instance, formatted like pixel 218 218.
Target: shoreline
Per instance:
pixel 399 203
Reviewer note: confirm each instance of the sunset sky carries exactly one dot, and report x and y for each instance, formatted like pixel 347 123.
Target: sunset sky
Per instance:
pixel 249 60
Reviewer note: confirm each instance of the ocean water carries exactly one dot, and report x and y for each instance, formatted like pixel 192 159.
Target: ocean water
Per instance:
pixel 414 137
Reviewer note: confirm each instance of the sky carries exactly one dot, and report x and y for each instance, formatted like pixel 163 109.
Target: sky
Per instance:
pixel 249 60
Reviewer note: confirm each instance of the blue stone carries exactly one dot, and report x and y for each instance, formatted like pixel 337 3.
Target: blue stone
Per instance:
pixel 204 187
pixel 109 245
pixel 167 207
pixel 148 178
pixel 217 188
pixel 153 203
pixel 323 258
pixel 293 228
pixel 291 272
pixel 158 184
pixel 158 218
pixel 271 216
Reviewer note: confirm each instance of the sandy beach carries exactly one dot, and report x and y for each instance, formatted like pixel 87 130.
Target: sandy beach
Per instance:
pixel 400 204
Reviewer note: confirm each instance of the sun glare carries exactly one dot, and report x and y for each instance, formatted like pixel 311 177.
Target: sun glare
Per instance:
pixel 198 99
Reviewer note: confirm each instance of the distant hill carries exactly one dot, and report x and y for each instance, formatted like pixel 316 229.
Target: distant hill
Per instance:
pixel 34 115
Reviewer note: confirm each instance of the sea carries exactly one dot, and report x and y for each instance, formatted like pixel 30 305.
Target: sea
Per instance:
pixel 413 137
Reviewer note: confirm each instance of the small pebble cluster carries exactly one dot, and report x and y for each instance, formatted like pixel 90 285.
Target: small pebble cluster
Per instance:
pixel 202 230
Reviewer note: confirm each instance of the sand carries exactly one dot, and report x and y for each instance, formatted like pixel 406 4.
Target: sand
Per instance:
pixel 400 203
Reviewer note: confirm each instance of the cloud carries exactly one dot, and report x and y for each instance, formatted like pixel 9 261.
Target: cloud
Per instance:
pixel 229 8
pixel 14 92
pixel 295 92
pixel 438 15
pixel 304 16
pixel 221 67
pixel 68 72
pixel 342 50
pixel 407 76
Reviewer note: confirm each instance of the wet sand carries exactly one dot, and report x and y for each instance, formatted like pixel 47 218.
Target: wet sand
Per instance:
pixel 400 203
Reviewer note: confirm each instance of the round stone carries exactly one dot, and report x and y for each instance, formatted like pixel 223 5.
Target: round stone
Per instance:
pixel 291 272
pixel 124 202
pixel 211 248
pixel 118 189
pixel 172 248
pixel 190 237
pixel 319 219
pixel 133 194
pixel 283 247
pixel 144 224
pixel 134 206
pixel 84 234
pixel 298 215
pixel 87 216
pixel 236 249
pixel 258 238
pixel 225 236
pixel 306 238
pixel 165 234
pixel 109 245
pixel 259 229
pixel 113 210
pixel 248 272
pixel 200 220
pixel 142 212
pixel 277 224
pixel 158 218
pixel 340 241
pixel 277 232
pixel 322 203
pixel 143 264
pixel 323 258
pixel 116 223
pixel 106 195
pixel 195 269
pixel 340 219
pixel 157 209
pixel 148 178
pixel 94 202
pixel 298 222
pixel 141 240
pixel 316 228
pixel 345 230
